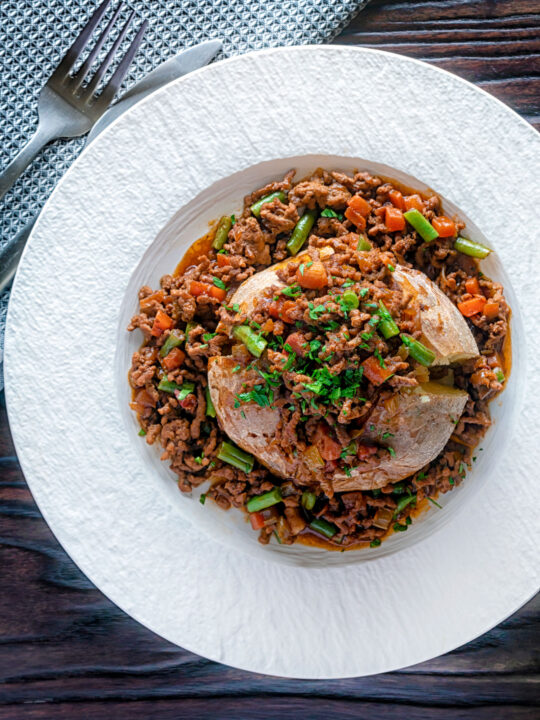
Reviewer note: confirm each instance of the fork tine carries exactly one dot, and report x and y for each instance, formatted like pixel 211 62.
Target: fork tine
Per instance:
pixel 90 89
pixel 112 87
pixel 72 55
pixel 78 78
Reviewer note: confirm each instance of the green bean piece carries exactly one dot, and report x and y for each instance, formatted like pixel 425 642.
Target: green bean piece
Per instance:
pixel 174 339
pixel 422 226
pixel 308 500
pixel 471 248
pixel 222 231
pixel 301 231
pixel 363 244
pixel 266 500
pixel 402 504
pixel 171 387
pixel 254 342
pixel 232 455
pixel 350 299
pixel 324 528
pixel 256 207
pixel 419 352
pixel 210 409
pixel 387 325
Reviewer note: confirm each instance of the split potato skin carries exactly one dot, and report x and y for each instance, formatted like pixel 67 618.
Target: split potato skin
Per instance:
pixel 255 433
pixel 443 328
pixel 420 419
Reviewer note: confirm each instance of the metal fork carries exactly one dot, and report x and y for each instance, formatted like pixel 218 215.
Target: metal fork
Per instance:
pixel 66 107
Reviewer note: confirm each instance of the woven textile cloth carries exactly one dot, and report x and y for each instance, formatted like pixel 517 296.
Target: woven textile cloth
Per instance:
pixel 34 34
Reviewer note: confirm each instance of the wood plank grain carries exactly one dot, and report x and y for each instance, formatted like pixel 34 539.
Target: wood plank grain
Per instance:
pixel 493 43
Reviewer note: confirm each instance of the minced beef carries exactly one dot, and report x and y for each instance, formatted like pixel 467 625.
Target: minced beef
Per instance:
pixel 191 307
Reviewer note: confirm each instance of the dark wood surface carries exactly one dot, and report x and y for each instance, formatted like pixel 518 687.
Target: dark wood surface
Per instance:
pixel 67 652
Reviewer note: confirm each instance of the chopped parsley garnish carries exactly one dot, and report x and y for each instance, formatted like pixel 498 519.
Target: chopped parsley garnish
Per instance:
pixel 387 435
pixel 375 542
pixel 379 358
pixel 292 291
pixel 208 336
pixel 391 451
pixel 236 369
pixel 219 283
pixel 363 292
pixel 348 282
pixel 202 498
pixel 398 527
pixel 142 432
pixel 233 219
pixel 329 213
pixel 500 376
pixel 390 267
pixel 236 307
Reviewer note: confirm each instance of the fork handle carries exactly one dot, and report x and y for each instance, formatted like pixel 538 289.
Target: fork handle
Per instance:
pixel 24 157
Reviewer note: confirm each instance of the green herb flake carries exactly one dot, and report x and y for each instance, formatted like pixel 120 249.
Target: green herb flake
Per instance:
pixel 302 268
pixel 375 543
pixel 236 307
pixel 390 267
pixel 219 283
pixel 431 500
pixel 363 292
pixel 292 291
pixel 348 283
pixel 202 498
pixel 236 369
pixel 391 451
pixel 398 527
pixel 142 432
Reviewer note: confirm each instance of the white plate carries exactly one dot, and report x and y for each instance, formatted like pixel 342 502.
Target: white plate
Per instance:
pixel 116 510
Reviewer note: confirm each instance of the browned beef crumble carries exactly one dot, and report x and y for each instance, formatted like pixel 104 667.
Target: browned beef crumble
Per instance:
pixel 190 438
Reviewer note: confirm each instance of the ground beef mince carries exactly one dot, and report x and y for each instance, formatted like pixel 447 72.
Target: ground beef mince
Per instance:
pixel 324 329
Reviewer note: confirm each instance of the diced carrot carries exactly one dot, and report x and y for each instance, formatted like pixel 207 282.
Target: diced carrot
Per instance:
pixel 173 359
pixel 444 226
pixel 257 520
pixel 365 451
pixel 197 288
pixel 414 201
pixel 380 211
pixel 218 293
pixel 374 372
pixel 397 199
pixel 328 448
pixel 267 326
pixel 393 219
pixel 359 205
pixel 286 308
pixel 223 260
pixel 472 286
pixel 279 310
pixel 158 296
pixel 491 309
pixel 162 322
pixel 468 308
pixel 312 276
pixel 356 218
pixel 298 343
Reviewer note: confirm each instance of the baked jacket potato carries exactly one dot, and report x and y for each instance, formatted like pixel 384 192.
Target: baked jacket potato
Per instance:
pixel 417 421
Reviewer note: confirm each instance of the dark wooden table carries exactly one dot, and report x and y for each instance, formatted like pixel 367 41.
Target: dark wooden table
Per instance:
pixel 67 652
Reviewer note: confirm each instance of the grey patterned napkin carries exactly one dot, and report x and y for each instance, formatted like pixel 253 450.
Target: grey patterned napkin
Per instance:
pixel 34 34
